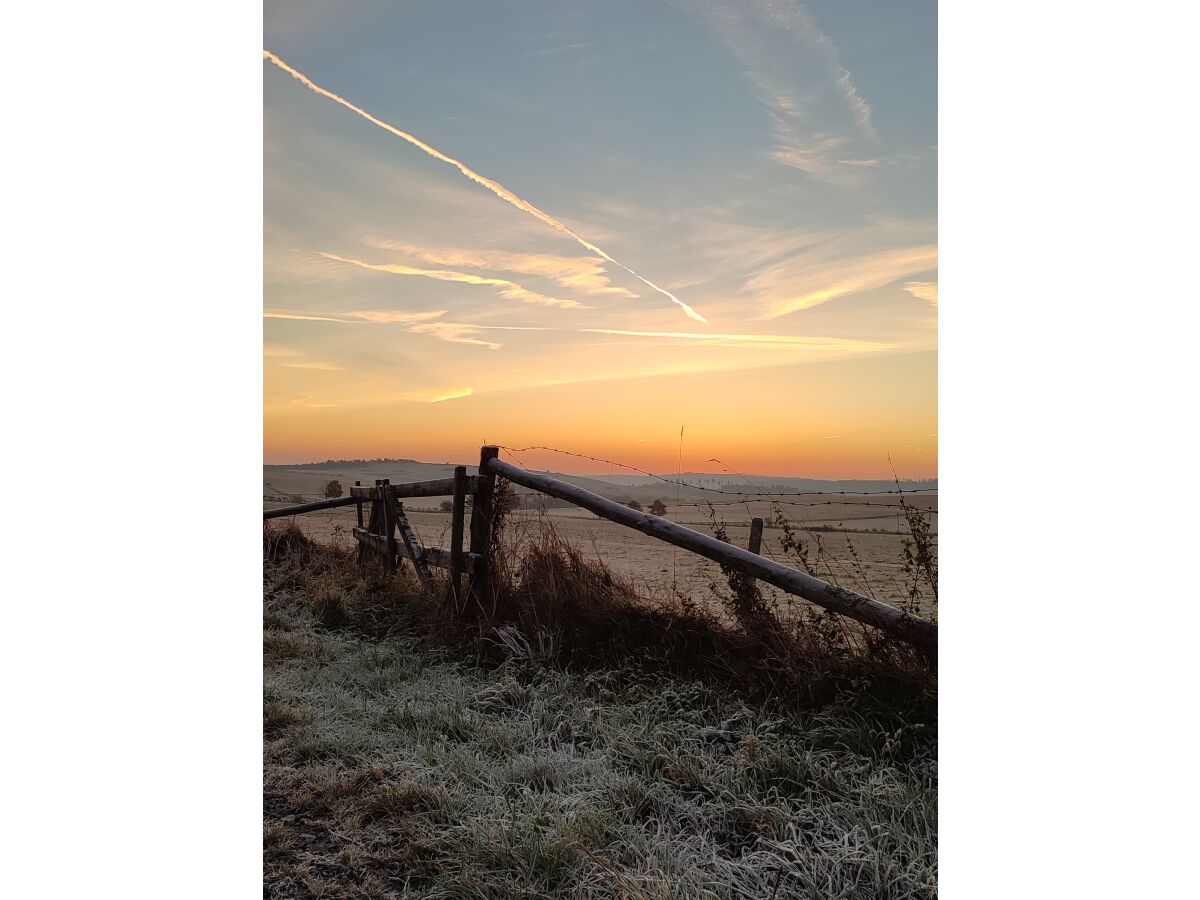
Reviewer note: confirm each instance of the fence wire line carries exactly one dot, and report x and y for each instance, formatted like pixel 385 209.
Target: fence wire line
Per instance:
pixel 700 504
pixel 665 480
pixel 812 503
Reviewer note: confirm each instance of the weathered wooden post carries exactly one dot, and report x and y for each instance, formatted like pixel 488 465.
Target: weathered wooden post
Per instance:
pixel 755 546
pixel 358 506
pixel 365 551
pixel 481 529
pixel 389 523
pixel 457 527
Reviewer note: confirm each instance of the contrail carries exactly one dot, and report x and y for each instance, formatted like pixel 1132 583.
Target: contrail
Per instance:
pixel 495 187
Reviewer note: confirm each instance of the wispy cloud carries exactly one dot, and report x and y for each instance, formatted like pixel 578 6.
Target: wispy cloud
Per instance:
pixel 756 340
pixel 580 273
pixel 794 18
pixel 452 395
pixel 321 366
pixel 494 186
pixel 509 289
pixel 812 154
pixel 395 317
pixel 806 282
pixel 923 290
pixel 752 32
pixel 413 322
pixel 359 317
pixel 300 317
pixel 454 333
pixel 464 332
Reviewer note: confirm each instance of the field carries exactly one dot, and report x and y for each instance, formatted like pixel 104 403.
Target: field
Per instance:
pixel 393 768
pixel 869 563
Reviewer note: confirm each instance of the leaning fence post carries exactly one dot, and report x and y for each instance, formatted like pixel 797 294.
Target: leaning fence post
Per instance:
pixel 481 528
pixel 457 524
pixel 358 506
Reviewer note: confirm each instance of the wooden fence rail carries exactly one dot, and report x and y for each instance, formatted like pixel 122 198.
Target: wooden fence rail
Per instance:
pixel 309 507
pixel 379 537
pixel 895 622
pixel 441 487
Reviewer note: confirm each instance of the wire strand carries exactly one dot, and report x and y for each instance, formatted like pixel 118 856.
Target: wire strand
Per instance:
pixel 697 487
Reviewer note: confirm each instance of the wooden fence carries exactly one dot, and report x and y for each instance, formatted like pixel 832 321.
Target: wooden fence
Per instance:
pixel 388 533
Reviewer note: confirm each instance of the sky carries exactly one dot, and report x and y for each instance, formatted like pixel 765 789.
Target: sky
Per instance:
pixel 590 225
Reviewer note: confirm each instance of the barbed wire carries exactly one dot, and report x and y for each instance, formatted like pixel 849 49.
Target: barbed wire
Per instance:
pixel 665 480
pixel 813 503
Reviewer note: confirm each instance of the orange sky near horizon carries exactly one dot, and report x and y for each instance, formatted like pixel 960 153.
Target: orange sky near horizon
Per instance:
pixel 837 419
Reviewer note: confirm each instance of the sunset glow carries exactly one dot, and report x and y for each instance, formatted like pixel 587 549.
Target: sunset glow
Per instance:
pixel 762 183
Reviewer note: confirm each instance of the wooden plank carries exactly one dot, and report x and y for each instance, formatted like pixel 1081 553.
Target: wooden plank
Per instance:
pixel 441 487
pixel 368 541
pixel 412 543
pixel 457 528
pixel 360 521
pixel 481 527
pixel 436 556
pixel 901 625
pixel 376 543
pixel 307 507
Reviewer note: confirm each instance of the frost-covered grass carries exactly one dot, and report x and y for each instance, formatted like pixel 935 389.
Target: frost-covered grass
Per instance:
pixel 395 769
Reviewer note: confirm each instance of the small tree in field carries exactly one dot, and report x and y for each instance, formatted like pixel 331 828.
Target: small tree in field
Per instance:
pixel 633 504
pixel 658 508
pixel 333 489
pixel 447 506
